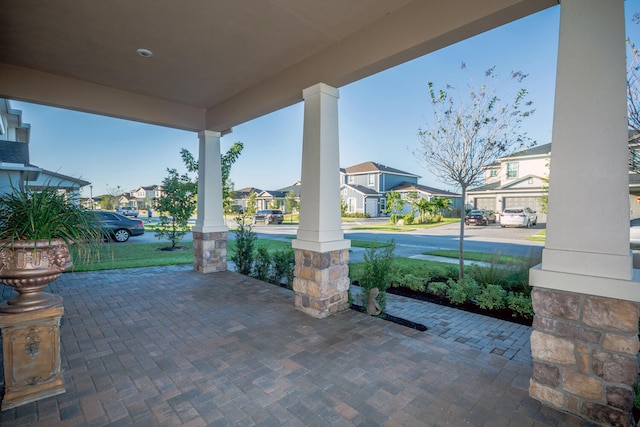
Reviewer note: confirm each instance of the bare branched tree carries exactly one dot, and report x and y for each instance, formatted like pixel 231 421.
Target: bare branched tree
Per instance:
pixel 467 134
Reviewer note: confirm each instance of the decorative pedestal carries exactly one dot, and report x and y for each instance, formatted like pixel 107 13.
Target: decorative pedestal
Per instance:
pixel 31 350
pixel 584 350
pixel 321 282
pixel 210 251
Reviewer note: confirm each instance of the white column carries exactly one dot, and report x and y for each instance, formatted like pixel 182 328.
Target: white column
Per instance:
pixel 210 210
pixel 587 242
pixel 320 228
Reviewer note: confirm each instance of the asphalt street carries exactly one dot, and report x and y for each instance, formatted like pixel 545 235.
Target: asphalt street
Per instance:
pixel 491 238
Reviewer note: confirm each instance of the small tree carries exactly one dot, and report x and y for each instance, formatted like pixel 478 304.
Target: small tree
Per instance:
pixel 441 204
pixel 425 208
pixel 227 160
pixel 394 204
pixel 111 200
pixel 291 202
pixel 176 206
pixel 343 207
pixel 252 204
pixel 273 204
pixel 466 136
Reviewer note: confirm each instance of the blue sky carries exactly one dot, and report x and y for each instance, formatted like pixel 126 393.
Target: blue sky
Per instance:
pixel 379 117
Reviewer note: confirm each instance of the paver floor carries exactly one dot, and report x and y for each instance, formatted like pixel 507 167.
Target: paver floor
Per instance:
pixel 166 346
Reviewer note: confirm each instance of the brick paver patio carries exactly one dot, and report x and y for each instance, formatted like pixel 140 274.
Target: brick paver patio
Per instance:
pixel 170 347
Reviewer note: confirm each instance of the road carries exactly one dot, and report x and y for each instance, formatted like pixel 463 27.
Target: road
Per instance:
pixel 491 238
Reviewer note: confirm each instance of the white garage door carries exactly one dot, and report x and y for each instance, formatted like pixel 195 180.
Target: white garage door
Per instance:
pixel 485 203
pixel 526 202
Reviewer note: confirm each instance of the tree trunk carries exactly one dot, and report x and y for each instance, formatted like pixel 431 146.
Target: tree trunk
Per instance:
pixel 462 213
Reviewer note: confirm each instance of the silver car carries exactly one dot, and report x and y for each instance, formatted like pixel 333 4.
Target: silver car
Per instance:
pixel 518 217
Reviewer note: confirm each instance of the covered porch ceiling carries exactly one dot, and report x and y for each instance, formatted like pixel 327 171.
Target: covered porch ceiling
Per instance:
pixel 219 63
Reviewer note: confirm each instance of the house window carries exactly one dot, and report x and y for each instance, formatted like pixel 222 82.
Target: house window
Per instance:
pixel 512 170
pixel 351 179
pixel 371 180
pixel 493 172
pixel 635 160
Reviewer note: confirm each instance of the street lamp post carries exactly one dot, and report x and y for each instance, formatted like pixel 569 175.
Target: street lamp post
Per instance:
pixel 91 193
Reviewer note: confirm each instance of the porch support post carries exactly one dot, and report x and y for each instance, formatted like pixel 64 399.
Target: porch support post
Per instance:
pixel 210 232
pixel 321 275
pixel 585 297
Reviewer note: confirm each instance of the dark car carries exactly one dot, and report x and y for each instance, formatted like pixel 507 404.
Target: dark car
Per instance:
pixel 480 217
pixel 269 216
pixel 118 227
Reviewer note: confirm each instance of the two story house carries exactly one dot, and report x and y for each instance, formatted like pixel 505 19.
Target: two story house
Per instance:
pixel 515 180
pixel 15 167
pixel 364 188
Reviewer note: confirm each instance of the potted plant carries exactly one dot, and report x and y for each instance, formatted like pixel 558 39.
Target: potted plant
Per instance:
pixel 36 230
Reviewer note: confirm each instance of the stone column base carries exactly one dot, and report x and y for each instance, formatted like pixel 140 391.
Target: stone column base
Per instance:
pixel 321 282
pixel 31 350
pixel 210 251
pixel 584 350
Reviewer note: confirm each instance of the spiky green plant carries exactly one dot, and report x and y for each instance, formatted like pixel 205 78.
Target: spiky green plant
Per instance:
pixel 47 214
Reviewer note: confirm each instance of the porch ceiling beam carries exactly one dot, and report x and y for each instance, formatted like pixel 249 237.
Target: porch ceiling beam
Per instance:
pixel 29 85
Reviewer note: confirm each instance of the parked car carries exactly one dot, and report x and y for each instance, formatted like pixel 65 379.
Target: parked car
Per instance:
pixel 119 227
pixel 520 217
pixel 269 216
pixel 127 211
pixel 480 217
pixel 634 231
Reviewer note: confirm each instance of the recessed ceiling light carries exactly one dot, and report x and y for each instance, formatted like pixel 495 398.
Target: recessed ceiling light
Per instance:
pixel 145 53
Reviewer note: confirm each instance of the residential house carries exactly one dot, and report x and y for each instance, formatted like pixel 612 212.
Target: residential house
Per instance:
pixel 15 168
pixel 520 179
pixel 364 188
pixel 145 196
pixel 241 196
pixel 515 180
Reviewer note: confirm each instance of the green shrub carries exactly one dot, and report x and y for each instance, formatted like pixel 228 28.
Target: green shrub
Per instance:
pixel 439 289
pixel 520 304
pixel 357 215
pixel 408 219
pixel 407 280
pixel 261 264
pixel 394 218
pixel 242 257
pixel 492 297
pixel 283 262
pixel 462 290
pixel 378 264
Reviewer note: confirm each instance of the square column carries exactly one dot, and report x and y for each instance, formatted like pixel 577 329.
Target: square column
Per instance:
pixel 586 293
pixel 321 272
pixel 210 232
pixel 31 351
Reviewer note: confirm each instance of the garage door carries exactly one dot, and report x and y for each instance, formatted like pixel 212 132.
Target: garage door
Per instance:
pixel 526 202
pixel 485 203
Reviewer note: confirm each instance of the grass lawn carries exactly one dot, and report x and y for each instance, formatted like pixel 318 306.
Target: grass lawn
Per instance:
pixel 369 244
pixel 540 236
pixel 116 256
pixel 475 256
pixel 387 226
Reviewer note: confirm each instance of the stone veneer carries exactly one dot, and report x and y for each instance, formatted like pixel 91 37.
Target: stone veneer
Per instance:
pixel 210 251
pixel 584 350
pixel 321 282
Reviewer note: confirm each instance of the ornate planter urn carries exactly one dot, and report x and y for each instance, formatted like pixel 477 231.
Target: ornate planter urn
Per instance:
pixel 28 267
pixel 30 322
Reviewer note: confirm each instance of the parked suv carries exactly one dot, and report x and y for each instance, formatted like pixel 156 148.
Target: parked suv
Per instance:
pixel 269 216
pixel 127 211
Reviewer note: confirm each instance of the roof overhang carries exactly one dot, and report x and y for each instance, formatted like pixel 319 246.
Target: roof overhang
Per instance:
pixel 220 63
